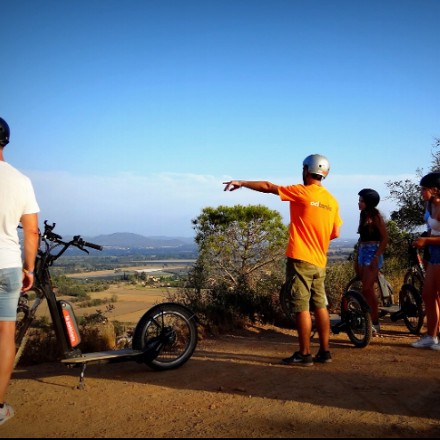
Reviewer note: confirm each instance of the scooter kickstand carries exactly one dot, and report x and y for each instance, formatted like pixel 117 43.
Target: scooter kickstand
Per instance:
pixel 82 384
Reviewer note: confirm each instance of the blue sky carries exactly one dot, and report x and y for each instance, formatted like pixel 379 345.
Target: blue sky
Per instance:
pixel 129 115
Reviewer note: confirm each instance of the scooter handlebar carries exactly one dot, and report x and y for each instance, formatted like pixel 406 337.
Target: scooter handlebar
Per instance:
pixel 93 246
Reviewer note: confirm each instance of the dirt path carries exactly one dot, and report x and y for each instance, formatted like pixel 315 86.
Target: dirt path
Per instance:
pixel 234 387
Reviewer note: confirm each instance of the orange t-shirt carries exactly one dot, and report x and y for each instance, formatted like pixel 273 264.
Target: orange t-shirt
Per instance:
pixel 314 219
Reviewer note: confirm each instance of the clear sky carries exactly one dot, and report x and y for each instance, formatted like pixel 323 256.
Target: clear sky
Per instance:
pixel 129 115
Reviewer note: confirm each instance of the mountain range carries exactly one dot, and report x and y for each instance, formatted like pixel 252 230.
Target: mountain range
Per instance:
pixel 135 241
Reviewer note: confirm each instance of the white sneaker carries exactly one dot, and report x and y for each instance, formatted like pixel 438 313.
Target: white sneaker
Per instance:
pixel 425 342
pixel 6 413
pixel 435 347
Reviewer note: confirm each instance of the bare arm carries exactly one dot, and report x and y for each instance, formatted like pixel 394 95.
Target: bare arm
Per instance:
pixel 31 241
pixel 426 241
pixel 384 236
pixel 380 223
pixel 260 186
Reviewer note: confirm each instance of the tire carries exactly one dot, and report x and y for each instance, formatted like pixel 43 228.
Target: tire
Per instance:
pixel 286 302
pixel 415 278
pixel 355 313
pixel 411 305
pixel 167 334
pixel 354 284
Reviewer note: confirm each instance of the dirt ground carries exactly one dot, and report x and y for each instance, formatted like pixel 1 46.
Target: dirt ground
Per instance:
pixel 234 386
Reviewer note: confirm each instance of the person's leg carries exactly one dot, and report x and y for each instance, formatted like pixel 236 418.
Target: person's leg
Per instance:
pixel 7 355
pixel 304 328
pixel 438 308
pixel 431 298
pixel 323 327
pixel 369 277
pixel 298 271
pixel 320 302
pixel 11 281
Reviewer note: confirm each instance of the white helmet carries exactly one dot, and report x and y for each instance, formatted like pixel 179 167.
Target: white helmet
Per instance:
pixel 317 164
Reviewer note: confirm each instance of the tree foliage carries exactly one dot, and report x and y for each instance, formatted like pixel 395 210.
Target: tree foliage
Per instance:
pixel 238 244
pixel 406 194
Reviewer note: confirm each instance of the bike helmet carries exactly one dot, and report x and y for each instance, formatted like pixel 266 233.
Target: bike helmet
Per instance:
pixel 4 133
pixel 431 180
pixel 317 164
pixel 370 196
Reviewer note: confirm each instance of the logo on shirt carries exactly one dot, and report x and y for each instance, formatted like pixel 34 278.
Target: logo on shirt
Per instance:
pixel 321 205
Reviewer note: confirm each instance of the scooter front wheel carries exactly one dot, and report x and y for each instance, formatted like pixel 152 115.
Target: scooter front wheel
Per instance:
pixel 357 319
pixel 411 305
pixel 167 334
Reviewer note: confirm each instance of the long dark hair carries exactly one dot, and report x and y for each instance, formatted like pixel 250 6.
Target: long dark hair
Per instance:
pixel 368 217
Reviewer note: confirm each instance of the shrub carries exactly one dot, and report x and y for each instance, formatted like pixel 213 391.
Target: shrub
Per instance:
pixel 223 308
pixel 338 276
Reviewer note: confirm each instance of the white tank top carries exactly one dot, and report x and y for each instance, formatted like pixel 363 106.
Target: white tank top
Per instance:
pixel 434 225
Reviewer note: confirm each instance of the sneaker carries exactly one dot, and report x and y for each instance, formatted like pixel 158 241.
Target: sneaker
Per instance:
pixel 435 347
pixel 299 359
pixel 6 413
pixel 323 357
pixel 425 342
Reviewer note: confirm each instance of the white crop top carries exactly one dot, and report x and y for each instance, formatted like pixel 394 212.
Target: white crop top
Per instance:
pixel 434 225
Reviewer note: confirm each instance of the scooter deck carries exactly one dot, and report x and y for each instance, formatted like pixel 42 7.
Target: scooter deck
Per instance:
pixel 334 318
pixel 102 356
pixel 391 309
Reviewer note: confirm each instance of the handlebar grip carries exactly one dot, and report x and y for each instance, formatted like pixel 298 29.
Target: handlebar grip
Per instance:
pixel 52 236
pixel 93 246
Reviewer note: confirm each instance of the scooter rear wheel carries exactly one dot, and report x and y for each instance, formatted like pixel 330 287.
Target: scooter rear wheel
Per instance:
pixel 357 319
pixel 286 301
pixel 167 334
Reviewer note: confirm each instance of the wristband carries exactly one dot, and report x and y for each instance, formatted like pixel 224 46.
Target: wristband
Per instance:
pixel 28 272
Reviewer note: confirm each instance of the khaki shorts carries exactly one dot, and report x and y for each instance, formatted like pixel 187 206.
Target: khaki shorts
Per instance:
pixel 308 288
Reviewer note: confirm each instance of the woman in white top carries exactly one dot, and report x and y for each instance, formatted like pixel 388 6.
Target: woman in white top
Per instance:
pixel 430 187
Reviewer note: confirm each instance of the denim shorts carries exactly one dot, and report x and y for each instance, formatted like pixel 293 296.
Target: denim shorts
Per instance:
pixel 434 254
pixel 11 282
pixel 366 254
pixel 308 287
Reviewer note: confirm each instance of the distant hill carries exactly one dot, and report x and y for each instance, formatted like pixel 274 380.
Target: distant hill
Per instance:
pixel 128 240
pixel 135 241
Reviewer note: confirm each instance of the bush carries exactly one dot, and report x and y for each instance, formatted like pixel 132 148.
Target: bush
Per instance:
pixel 223 308
pixel 98 337
pixel 97 334
pixel 338 276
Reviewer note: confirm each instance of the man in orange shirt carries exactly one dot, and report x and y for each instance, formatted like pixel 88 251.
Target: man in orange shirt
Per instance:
pixel 314 221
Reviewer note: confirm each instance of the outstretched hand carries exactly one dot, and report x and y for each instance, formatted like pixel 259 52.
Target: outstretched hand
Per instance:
pixel 232 185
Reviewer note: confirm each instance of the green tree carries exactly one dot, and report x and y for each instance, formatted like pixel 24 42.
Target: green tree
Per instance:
pixel 238 245
pixel 406 194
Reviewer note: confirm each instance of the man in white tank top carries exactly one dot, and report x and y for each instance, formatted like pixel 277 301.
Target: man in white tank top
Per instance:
pixel 17 205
